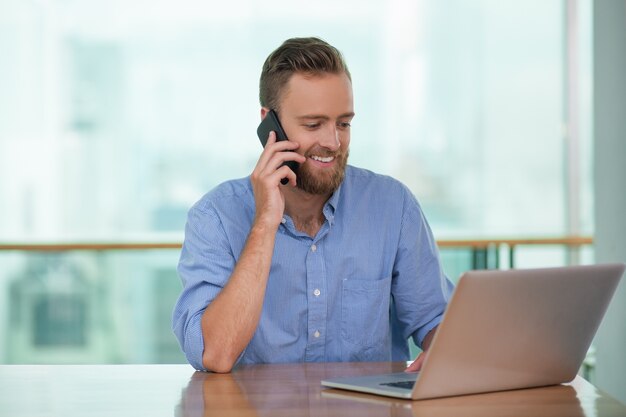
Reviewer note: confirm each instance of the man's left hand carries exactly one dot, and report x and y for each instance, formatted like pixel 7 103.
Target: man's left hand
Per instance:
pixel 417 363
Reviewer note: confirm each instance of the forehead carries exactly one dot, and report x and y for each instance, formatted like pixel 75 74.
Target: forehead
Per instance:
pixel 326 93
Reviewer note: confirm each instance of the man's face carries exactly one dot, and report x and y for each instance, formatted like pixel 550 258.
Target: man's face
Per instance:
pixel 316 112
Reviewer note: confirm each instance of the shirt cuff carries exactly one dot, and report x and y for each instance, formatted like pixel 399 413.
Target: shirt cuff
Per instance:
pixel 194 342
pixel 425 329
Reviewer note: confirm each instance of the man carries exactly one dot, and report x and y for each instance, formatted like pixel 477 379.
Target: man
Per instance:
pixel 338 264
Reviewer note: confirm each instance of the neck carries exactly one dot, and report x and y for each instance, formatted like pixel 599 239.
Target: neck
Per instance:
pixel 306 210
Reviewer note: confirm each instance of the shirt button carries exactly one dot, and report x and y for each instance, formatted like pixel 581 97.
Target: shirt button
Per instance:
pixel 316 334
pixel 283 220
pixel 313 248
pixel 317 292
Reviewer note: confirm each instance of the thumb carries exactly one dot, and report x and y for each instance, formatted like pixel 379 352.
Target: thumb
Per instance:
pixel 417 363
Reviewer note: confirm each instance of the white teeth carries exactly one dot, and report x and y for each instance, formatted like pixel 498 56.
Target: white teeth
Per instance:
pixel 321 159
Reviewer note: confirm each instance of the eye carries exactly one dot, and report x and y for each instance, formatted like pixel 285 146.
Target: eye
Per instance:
pixel 344 125
pixel 312 126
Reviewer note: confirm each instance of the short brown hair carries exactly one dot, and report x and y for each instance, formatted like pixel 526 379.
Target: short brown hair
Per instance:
pixel 307 55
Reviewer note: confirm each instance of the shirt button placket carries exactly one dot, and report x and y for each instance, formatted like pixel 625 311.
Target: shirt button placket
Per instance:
pixel 317 304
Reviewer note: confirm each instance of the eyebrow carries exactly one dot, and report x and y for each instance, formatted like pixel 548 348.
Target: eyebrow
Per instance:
pixel 324 117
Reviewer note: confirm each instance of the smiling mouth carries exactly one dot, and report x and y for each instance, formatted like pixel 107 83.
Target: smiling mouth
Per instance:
pixel 325 159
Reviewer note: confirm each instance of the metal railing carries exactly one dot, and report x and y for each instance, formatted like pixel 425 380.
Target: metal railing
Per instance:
pixel 486 253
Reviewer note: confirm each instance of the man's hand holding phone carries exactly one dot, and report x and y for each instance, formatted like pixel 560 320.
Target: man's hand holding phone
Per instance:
pixel 271 123
pixel 266 178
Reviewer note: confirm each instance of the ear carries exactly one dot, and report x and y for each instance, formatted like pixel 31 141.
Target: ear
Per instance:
pixel 264 111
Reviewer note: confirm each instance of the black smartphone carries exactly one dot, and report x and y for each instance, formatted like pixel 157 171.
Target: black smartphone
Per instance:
pixel 271 123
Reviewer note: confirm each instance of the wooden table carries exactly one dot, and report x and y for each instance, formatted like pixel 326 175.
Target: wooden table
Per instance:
pixel 261 390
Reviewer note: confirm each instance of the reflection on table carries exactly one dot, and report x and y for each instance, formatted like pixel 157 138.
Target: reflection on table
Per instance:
pixel 261 390
pixel 289 390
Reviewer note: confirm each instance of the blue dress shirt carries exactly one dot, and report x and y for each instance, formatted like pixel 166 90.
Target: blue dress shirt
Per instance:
pixel 370 279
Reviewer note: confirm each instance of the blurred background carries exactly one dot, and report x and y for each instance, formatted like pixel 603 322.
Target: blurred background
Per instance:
pixel 115 117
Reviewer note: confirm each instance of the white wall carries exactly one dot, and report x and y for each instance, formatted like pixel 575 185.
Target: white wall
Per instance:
pixel 610 182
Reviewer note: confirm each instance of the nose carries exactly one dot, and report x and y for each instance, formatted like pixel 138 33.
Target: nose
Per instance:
pixel 330 139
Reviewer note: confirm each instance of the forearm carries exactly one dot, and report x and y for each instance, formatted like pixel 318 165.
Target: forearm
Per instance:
pixel 230 321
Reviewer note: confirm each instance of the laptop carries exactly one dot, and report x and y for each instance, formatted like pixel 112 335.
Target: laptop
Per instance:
pixel 505 330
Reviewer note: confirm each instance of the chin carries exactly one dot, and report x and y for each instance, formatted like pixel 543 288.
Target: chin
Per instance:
pixel 320 184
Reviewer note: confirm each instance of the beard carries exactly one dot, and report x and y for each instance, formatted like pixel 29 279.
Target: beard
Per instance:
pixel 320 182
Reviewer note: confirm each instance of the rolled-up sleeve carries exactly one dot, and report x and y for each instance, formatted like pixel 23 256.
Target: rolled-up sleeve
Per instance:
pixel 206 263
pixel 420 288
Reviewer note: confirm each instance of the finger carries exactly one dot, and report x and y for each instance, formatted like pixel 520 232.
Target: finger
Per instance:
pixel 282 145
pixel 273 142
pixel 417 363
pixel 290 175
pixel 283 172
pixel 272 148
pixel 271 138
pixel 265 154
pixel 279 158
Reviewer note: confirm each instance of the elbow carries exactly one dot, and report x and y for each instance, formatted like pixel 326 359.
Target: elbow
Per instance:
pixel 218 362
pixel 219 367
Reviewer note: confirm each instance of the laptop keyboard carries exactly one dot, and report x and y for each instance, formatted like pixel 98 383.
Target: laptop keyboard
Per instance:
pixel 400 384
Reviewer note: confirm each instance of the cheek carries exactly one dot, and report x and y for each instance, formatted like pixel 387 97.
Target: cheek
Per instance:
pixel 344 139
pixel 306 140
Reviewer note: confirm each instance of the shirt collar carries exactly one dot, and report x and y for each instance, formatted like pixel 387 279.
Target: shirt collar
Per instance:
pixel 333 201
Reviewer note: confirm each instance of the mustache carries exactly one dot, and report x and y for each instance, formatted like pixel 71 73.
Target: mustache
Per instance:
pixel 323 152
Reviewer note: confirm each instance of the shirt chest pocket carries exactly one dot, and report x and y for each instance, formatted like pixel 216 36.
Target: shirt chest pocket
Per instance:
pixel 365 312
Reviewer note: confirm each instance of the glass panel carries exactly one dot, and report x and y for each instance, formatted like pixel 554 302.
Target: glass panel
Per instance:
pixel 117 116
pixel 89 307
